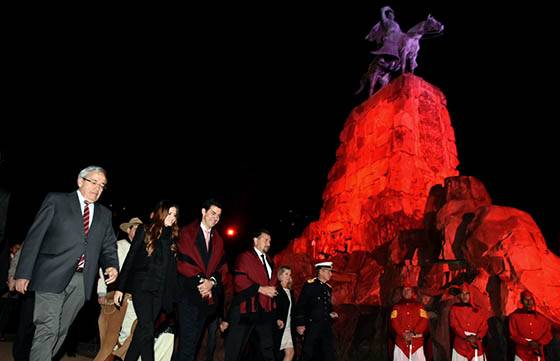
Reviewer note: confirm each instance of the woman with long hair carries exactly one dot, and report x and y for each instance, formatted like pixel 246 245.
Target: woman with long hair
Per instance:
pixel 149 274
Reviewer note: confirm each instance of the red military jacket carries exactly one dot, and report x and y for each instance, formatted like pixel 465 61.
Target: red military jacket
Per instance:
pixel 464 317
pixel 409 315
pixel 530 325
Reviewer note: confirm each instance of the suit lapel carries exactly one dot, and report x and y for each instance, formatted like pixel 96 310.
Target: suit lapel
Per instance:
pixel 76 213
pixel 263 267
pixel 201 245
pixel 96 219
pixel 271 263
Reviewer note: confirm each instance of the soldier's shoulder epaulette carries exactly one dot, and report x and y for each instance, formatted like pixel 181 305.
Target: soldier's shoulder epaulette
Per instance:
pixel 311 280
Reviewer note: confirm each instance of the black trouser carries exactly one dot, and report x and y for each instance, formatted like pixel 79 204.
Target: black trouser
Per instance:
pixel 192 318
pixel 147 306
pixel 9 305
pixel 239 334
pixel 211 339
pixel 318 335
pixel 26 328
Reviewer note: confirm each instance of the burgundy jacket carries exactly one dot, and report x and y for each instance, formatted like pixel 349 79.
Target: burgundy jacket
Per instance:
pixel 249 274
pixel 194 263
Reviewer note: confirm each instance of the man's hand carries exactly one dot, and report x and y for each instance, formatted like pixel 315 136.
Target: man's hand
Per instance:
pixel 21 285
pixel 280 324
pixel 223 326
pixel 11 284
pixel 407 335
pixel 112 273
pixel 205 287
pixel 269 291
pixel 101 300
pixel 333 315
pixel 117 298
pixel 472 340
pixel 300 330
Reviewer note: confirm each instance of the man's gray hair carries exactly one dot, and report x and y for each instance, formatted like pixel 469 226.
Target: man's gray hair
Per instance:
pixel 91 169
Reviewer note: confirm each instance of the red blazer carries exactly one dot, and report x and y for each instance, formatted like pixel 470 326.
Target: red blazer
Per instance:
pixel 248 275
pixel 189 260
pixel 409 316
pixel 525 325
pixel 464 317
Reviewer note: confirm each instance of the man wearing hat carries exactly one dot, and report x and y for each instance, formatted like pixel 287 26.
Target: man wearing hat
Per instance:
pixel 469 325
pixel 409 322
pixel 314 314
pixel 111 318
pixel 529 329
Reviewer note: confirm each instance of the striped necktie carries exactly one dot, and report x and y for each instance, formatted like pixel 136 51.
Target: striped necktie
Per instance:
pixel 82 261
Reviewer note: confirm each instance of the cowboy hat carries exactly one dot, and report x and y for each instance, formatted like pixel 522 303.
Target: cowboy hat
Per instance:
pixel 133 222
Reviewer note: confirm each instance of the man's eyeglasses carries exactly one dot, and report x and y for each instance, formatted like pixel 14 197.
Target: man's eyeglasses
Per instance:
pixel 100 185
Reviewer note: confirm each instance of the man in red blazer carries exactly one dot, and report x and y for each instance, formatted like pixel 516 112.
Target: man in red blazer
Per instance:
pixel 469 326
pixel 201 266
pixel 251 310
pixel 529 329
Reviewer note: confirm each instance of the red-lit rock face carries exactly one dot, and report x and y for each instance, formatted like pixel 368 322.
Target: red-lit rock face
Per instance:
pixel 507 243
pixel 394 148
pixel 395 211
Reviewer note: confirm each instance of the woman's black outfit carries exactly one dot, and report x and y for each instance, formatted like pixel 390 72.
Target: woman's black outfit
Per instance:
pixel 150 279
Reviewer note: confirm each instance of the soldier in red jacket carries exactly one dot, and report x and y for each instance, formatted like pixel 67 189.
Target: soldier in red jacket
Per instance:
pixel 529 329
pixel 468 325
pixel 409 322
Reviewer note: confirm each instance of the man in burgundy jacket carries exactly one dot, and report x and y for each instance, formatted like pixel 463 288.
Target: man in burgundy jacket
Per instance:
pixel 254 281
pixel 201 266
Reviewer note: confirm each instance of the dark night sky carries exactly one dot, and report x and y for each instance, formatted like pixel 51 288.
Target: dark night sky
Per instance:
pixel 246 102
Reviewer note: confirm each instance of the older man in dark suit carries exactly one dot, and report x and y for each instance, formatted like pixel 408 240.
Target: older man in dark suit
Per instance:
pixel 60 257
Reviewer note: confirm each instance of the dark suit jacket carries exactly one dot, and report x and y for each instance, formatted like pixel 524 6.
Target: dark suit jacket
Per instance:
pixel 56 240
pixel 282 306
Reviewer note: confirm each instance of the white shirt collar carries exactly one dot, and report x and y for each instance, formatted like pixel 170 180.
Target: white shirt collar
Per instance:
pixel 204 228
pixel 82 199
pixel 259 253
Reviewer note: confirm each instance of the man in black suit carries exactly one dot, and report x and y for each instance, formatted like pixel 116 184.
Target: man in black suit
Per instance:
pixel 60 257
pixel 314 315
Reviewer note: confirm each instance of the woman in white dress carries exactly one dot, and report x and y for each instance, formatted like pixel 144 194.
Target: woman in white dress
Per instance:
pixel 284 301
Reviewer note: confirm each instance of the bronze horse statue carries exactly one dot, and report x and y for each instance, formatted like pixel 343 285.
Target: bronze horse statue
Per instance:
pixel 398 50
